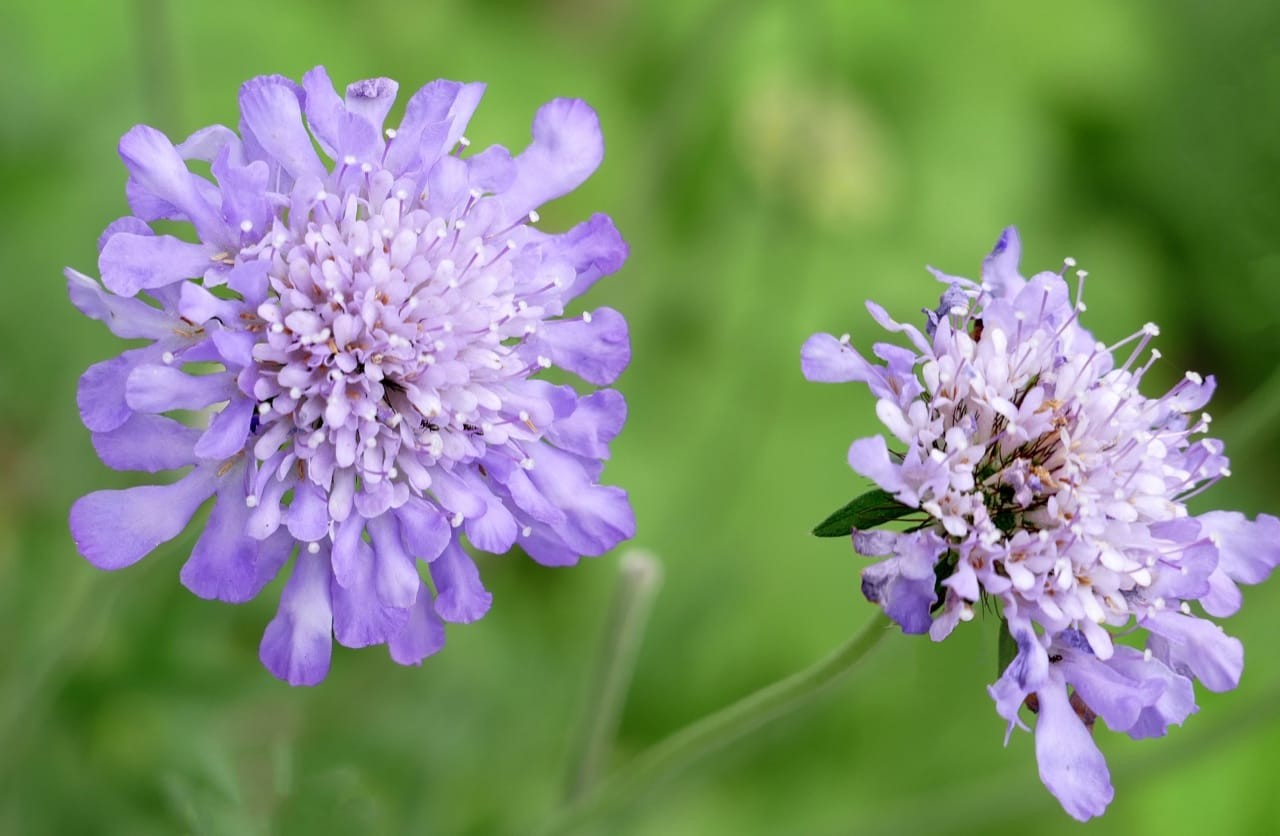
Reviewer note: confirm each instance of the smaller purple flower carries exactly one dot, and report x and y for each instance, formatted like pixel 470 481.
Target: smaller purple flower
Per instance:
pixel 359 344
pixel 1032 471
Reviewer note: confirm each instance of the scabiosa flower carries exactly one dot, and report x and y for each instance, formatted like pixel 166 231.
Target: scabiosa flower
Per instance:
pixel 359 343
pixel 1031 471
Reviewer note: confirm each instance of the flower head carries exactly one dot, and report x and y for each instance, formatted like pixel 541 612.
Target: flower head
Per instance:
pixel 1031 470
pixel 359 342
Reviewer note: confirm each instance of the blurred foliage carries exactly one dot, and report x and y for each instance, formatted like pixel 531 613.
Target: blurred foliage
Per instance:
pixel 772 165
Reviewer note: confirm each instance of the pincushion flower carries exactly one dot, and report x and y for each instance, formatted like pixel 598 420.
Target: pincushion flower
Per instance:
pixel 359 342
pixel 1030 470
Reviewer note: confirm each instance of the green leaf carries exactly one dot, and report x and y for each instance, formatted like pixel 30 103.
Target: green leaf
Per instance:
pixel 867 511
pixel 1008 647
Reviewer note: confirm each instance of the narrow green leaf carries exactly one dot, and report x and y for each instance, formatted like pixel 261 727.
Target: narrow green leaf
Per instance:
pixel 867 511
pixel 1008 647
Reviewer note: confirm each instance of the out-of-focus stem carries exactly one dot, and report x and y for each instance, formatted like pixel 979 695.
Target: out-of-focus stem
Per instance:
pixel 717 730
pixel 640 576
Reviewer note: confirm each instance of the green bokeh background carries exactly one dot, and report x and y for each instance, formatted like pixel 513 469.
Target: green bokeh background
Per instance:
pixel 772 165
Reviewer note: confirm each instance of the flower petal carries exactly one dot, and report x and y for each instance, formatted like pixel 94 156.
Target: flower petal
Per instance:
pixel 130 263
pixel 271 112
pixel 596 349
pixel 150 443
pixel 296 645
pixel 567 148
pixel 125 317
pixel 157 167
pixel 1070 764
pixel 461 598
pixel 117 528
pixel 422 634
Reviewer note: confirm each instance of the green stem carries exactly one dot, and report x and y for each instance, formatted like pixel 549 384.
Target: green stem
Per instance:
pixel 640 575
pixel 717 730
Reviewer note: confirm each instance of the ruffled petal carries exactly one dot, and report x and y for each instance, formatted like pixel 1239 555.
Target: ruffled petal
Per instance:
pixel 594 423
pixel 597 517
pixel 308 515
pixel 567 148
pixel 1177 699
pixel 360 618
pixel 1115 697
pixel 597 349
pixel 157 167
pixel 422 634
pixel 423 529
pixel 224 563
pixel 595 248
pixel 869 457
pixel 271 112
pixel 117 528
pixel 460 596
pixel 1196 647
pixel 296 646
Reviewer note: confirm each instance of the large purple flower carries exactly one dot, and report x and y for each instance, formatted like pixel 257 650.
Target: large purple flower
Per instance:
pixel 358 344
pixel 1030 470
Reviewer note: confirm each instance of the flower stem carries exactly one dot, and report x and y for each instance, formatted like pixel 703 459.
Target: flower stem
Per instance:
pixel 640 576
pixel 717 730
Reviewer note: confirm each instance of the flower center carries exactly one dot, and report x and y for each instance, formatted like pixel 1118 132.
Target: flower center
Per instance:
pixel 394 327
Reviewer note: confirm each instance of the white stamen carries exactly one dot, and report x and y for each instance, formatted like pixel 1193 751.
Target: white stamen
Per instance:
pixel 545 362
pixel 167 358
pixel 534 217
pixel 295 393
pixel 313 548
pixel 251 501
pixel 455 520
pixel 391 133
pixel 463 141
pixel 246 226
pixel 527 463
pixel 264 408
pixel 526 531
pixel 348 160
pixel 1192 377
pixel 586 316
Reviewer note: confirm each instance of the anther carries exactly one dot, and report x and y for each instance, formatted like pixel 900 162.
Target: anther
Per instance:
pixel 534 217
pixel 313 548
pixel 251 501
pixel 246 226
pixel 167 358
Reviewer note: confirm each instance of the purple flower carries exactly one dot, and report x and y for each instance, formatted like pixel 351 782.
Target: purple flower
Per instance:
pixel 1038 475
pixel 359 344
